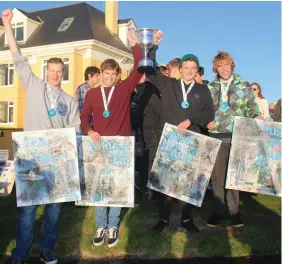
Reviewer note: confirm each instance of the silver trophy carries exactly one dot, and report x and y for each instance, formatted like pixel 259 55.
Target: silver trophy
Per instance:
pixel 145 38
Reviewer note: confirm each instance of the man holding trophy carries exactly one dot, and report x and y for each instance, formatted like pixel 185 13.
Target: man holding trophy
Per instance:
pixel 109 106
pixel 188 105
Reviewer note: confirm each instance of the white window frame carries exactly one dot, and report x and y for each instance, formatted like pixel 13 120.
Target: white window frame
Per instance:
pixel 68 20
pixel 10 105
pixel 11 66
pixel 66 61
pixel 19 25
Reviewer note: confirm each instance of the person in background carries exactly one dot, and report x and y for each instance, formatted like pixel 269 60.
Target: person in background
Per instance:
pixel 164 70
pixel 263 104
pixel 277 112
pixel 145 121
pixel 200 75
pixel 91 77
pixel 173 68
pixel 271 108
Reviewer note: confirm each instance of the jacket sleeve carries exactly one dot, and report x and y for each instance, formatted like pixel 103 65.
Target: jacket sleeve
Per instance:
pixel 207 114
pixel 134 77
pixel 28 78
pixel 86 114
pixel 74 118
pixel 157 78
pixel 252 109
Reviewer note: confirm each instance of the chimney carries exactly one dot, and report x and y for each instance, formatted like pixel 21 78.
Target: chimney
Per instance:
pixel 111 16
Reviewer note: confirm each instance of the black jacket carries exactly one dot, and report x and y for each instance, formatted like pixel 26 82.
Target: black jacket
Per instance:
pixel 200 111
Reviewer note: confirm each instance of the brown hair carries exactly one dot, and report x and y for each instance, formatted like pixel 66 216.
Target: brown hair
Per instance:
pixel 259 93
pixel 220 56
pixel 110 64
pixel 173 63
pixel 92 70
pixel 55 61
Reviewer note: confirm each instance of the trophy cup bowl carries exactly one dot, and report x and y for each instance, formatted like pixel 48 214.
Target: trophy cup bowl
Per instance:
pixel 145 37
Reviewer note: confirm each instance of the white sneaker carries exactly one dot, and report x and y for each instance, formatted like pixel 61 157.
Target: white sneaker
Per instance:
pixel 113 237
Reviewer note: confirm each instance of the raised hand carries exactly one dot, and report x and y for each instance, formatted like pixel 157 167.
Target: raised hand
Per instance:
pixel 132 38
pixel 158 36
pixel 7 16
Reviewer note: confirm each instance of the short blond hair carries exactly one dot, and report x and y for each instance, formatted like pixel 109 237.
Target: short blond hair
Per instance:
pixel 222 56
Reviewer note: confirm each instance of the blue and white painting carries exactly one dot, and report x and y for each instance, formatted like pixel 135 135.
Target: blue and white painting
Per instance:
pixel 255 157
pixel 183 165
pixel 46 166
pixel 106 170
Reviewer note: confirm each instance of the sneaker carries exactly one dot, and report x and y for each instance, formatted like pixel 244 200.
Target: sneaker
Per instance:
pixel 100 236
pixel 214 220
pixel 113 237
pixel 189 226
pixel 19 262
pixel 48 258
pixel 160 226
pixel 236 220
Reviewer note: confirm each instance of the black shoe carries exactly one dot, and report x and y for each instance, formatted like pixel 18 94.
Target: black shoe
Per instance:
pixel 189 226
pixel 236 220
pixel 214 221
pixel 100 236
pixel 113 237
pixel 160 226
pixel 48 258
pixel 19 262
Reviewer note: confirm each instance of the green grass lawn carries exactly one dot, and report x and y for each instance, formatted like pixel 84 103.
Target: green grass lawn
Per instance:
pixel 260 236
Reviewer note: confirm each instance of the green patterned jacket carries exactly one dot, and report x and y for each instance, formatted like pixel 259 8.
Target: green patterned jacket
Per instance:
pixel 241 101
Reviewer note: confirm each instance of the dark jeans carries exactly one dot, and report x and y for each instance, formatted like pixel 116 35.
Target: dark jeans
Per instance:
pixel 141 166
pixel 218 178
pixel 26 227
pixel 165 204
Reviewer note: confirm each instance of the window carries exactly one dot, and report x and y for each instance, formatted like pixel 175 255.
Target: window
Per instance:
pixel 6 112
pixel 6 74
pixel 18 30
pixel 66 69
pixel 66 24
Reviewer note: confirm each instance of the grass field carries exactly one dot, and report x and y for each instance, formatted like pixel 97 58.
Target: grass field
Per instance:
pixel 260 236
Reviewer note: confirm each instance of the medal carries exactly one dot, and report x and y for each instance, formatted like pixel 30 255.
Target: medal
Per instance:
pixel 52 112
pixel 53 101
pixel 224 106
pixel 106 102
pixel 185 103
pixel 106 113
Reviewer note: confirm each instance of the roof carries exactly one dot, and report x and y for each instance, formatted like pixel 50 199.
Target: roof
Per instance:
pixel 123 21
pixel 89 23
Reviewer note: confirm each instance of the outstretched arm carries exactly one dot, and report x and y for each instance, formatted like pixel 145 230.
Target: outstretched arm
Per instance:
pixel 28 79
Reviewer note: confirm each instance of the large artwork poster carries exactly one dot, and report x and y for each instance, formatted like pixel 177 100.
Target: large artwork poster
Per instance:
pixel 183 165
pixel 46 166
pixel 255 157
pixel 106 171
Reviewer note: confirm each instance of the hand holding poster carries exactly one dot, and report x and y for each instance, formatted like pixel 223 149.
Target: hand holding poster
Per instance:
pixel 255 157
pixel 183 165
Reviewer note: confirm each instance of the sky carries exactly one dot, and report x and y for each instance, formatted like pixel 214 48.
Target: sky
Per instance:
pixel 249 31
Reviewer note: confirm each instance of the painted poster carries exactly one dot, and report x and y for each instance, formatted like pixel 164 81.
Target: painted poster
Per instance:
pixel 46 166
pixel 106 170
pixel 7 176
pixel 183 165
pixel 255 157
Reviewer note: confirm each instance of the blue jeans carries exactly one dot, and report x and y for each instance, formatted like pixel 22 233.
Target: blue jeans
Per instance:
pixel 26 227
pixel 102 218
